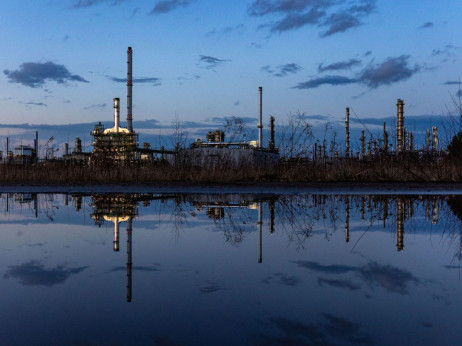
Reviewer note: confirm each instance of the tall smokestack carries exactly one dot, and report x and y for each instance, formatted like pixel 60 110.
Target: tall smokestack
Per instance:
pixel 129 90
pixel 260 116
pixel 347 130
pixel 116 114
pixel 400 126
pixel 271 145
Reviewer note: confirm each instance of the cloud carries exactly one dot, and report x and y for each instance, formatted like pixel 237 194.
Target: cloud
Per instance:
pixel 153 80
pixel 34 273
pixel 392 70
pixel 166 6
pixel 99 106
pixel 446 52
pixel 34 74
pixel 225 31
pixel 426 25
pixel 89 3
pixel 298 20
pixel 340 22
pixel 282 70
pixel 34 104
pixel 452 82
pixel 209 62
pixel 329 80
pixel 341 65
pixel 333 15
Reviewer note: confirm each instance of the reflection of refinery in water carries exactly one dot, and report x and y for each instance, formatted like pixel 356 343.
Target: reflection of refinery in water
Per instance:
pixel 120 209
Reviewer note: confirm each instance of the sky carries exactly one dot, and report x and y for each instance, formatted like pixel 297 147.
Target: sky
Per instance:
pixel 199 61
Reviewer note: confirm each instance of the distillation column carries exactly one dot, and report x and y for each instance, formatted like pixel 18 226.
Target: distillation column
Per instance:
pixel 400 127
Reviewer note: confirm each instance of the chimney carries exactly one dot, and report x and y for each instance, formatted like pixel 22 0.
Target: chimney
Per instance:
pixel 129 90
pixel 116 114
pixel 271 145
pixel 260 116
pixel 347 129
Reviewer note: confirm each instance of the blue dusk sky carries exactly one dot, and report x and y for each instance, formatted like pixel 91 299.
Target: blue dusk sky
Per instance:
pixel 63 61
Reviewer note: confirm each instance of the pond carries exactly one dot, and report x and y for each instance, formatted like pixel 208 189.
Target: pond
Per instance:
pixel 230 269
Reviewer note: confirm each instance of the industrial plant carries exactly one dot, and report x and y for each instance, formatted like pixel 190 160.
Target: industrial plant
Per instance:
pixel 119 146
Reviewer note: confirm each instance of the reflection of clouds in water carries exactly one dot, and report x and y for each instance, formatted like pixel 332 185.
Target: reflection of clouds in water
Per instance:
pixel 33 273
pixel 328 269
pixel 210 287
pixel 153 268
pixel 282 279
pixel 390 278
pixel 329 330
pixel 339 284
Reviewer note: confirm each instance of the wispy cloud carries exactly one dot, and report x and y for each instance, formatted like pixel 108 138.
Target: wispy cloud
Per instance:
pixel 166 6
pixel 31 103
pixel 209 62
pixel 332 16
pixel 34 74
pixel 151 80
pixel 426 25
pixel 282 70
pixel 390 71
pixel 326 80
pixel 340 65
pixel 89 3
pixel 99 106
pixel 225 31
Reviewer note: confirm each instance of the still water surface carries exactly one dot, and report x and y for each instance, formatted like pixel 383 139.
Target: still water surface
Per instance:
pixel 230 269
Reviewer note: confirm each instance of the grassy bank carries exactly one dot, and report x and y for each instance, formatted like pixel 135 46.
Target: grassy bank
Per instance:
pixel 390 169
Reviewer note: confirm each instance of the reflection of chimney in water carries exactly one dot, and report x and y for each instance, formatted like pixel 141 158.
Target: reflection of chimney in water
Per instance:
pixel 129 260
pixel 260 224
pixel 347 219
pixel 363 204
pixel 78 203
pixel 271 210
pixel 35 196
pixel 385 212
pixel 116 234
pixel 399 224
pixel 434 211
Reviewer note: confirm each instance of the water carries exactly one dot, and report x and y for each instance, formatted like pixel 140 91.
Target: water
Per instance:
pixel 230 269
